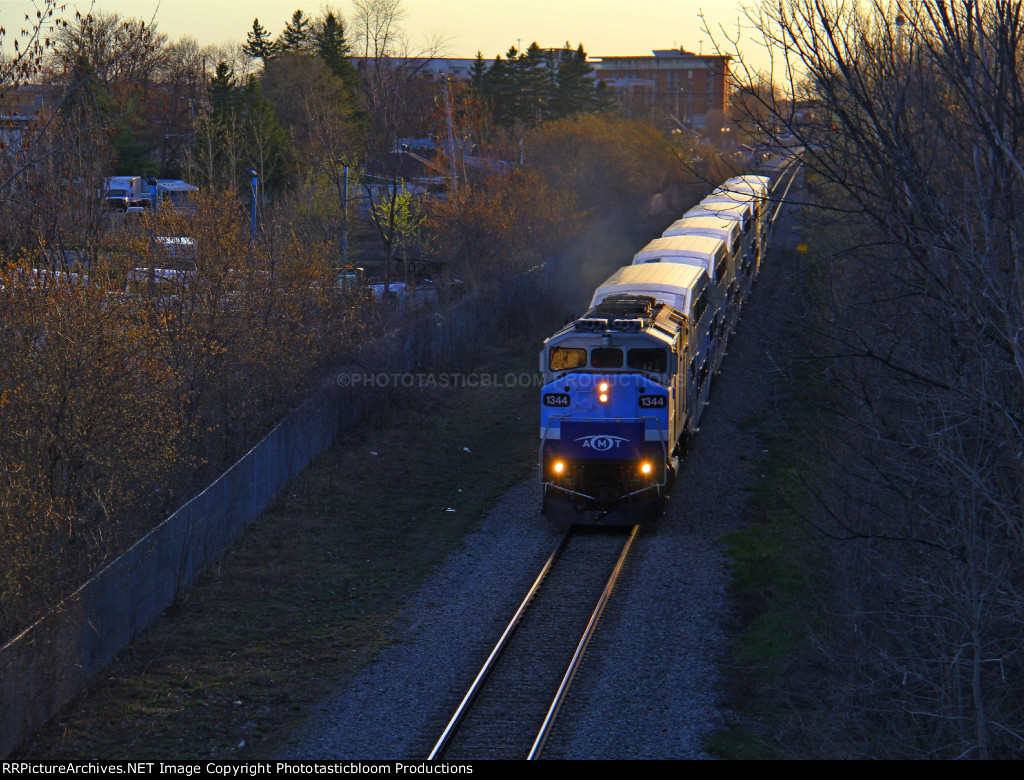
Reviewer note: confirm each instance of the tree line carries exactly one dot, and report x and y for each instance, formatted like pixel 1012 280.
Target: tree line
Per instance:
pixel 909 477
pixel 537 85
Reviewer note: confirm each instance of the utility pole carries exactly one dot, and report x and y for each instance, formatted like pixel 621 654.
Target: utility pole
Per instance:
pixel 451 139
pixel 344 219
pixel 252 217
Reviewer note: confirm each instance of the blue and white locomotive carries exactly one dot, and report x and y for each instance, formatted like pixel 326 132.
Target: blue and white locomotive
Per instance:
pixel 626 382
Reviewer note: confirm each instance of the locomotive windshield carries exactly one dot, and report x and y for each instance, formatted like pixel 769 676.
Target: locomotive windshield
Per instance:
pixel 653 360
pixel 563 358
pixel 606 357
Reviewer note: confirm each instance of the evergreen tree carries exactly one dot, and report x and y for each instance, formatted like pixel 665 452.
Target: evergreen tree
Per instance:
pixel 239 132
pixel 223 90
pixel 575 90
pixel 83 89
pixel 266 147
pixel 88 104
pixel 334 49
pixel 533 86
pixel 298 35
pixel 258 44
pixel 498 91
pixel 536 85
pixel 478 74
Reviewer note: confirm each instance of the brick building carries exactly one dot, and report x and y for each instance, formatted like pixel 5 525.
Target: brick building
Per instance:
pixel 669 83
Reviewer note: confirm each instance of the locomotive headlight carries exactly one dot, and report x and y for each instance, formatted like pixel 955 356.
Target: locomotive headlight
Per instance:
pixel 602 390
pixel 603 387
pixel 603 398
pixel 558 467
pixel 646 468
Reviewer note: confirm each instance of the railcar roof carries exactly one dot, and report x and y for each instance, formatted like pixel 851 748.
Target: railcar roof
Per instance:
pixel 705 222
pixel 723 209
pixel 699 247
pixel 727 195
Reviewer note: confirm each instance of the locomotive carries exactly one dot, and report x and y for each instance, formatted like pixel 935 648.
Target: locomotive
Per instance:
pixel 625 383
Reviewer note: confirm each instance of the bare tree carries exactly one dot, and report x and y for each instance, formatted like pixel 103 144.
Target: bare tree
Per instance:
pixel 398 99
pixel 912 122
pixel 378 29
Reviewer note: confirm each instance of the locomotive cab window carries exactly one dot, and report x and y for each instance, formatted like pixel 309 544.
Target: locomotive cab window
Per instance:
pixel 654 360
pixel 605 357
pixel 563 358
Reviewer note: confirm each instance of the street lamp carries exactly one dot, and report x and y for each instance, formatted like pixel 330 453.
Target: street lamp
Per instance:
pixel 252 217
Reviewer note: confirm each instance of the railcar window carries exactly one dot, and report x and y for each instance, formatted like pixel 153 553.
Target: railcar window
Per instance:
pixel 700 305
pixel 604 357
pixel 655 360
pixel 720 271
pixel 562 358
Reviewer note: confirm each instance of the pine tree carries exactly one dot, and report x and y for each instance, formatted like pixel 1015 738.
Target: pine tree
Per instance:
pixel 223 90
pixel 498 90
pixel 536 85
pixel 258 44
pixel 477 74
pixel 575 91
pixel 333 48
pixel 298 35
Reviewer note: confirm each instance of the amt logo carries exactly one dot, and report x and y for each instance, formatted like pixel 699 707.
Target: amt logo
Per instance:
pixel 601 442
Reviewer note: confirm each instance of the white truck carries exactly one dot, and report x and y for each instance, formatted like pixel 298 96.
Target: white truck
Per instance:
pixel 121 192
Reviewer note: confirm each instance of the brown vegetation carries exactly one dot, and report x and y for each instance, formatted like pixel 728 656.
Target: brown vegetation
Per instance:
pixel 120 382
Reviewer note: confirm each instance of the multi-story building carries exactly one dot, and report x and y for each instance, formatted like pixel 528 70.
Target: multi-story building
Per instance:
pixel 672 83
pixel 21 108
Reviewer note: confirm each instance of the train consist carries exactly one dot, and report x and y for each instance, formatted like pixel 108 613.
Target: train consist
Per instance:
pixel 625 383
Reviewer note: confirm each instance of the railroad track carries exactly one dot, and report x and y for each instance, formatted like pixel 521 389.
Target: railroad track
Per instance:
pixel 789 168
pixel 511 706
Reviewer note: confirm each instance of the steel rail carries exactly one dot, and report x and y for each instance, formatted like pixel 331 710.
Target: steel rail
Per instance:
pixel 795 168
pixel 581 648
pixel 493 657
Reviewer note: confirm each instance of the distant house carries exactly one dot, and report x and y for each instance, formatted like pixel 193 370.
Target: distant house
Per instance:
pixel 21 108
